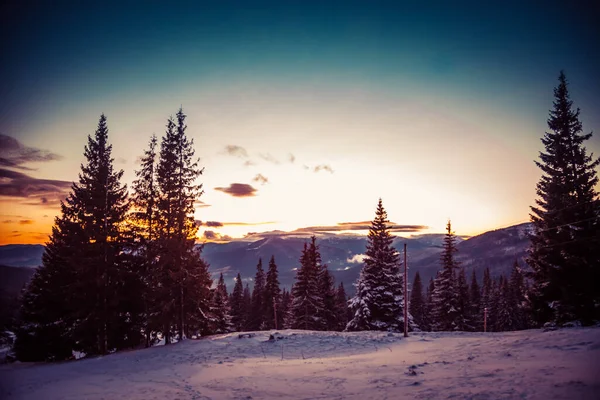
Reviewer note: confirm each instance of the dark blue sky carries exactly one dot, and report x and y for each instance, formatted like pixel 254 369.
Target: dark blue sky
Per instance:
pixel 71 50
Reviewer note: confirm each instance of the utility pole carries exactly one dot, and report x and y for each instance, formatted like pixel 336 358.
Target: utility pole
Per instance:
pixel 485 319
pixel 405 294
pixel 275 312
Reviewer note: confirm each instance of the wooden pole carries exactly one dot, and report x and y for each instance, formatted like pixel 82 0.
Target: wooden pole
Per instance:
pixel 485 319
pixel 405 294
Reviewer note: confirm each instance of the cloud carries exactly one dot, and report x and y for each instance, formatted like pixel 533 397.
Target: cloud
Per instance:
pixel 333 230
pixel 36 191
pixel 261 179
pixel 249 163
pixel 8 221
pixel 268 157
pixel 13 154
pixel 217 224
pixel 236 151
pixel 238 190
pixel 323 167
pixel 291 158
pixel 213 236
pixel 25 222
pixel 356 259
pixel 201 204
pixel 120 160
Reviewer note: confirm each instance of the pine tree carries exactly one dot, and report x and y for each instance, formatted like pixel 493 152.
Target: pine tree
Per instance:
pixel 179 266
pixel 503 307
pixel 246 307
pixel 84 282
pixel 142 222
pixel 272 298
pixel 486 300
pixel 307 299
pixel 258 295
pixel 221 318
pixel 417 305
pixel 518 298
pixel 565 245
pixel 286 309
pixel 463 303
pixel 237 305
pixel 429 318
pixel 475 299
pixel 329 313
pixel 342 310
pixel 445 297
pixel 378 302
pixel 196 295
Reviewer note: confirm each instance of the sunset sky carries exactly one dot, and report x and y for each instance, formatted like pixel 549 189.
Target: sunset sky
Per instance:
pixel 303 114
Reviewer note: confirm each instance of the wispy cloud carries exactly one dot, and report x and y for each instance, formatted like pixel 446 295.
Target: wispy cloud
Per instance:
pixel 249 163
pixel 291 158
pixel 268 157
pixel 213 236
pixel 260 178
pixel 34 191
pixel 25 222
pixel 238 190
pixel 14 154
pixel 218 224
pixel 201 204
pixel 236 151
pixel 323 167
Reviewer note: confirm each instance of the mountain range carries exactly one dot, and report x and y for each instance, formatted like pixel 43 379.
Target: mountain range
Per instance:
pixel 496 249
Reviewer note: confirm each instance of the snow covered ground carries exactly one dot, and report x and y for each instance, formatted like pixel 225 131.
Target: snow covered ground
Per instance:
pixel 562 364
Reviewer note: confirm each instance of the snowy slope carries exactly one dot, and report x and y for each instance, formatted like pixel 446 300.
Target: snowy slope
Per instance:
pixel 561 364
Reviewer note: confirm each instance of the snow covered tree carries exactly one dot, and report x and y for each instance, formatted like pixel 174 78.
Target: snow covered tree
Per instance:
pixel 565 245
pixel 429 316
pixel 329 313
pixel 286 309
pixel 258 295
pixel 379 299
pixel 272 298
pixel 246 307
pixel 84 282
pixel 342 310
pixel 221 318
pixel 237 305
pixel 307 299
pixel 445 297
pixel 464 320
pixel 487 299
pixel 475 299
pixel 417 304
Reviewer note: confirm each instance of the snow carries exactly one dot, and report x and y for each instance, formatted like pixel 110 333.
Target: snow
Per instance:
pixel 559 364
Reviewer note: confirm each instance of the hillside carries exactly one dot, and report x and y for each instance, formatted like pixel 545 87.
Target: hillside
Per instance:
pixel 12 280
pixel 533 364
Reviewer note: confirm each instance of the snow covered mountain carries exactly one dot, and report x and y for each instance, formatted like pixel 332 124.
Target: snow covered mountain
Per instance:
pixel 495 249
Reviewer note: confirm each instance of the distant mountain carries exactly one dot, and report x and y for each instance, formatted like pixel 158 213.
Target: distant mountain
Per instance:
pixel 495 249
pixel 21 255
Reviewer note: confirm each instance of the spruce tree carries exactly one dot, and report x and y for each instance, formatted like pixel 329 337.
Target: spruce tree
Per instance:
pixel 475 299
pixel 84 283
pixel 565 245
pixel 417 305
pixel 329 313
pixel 246 307
pixel 378 302
pixel 342 310
pixel 429 317
pixel 307 299
pixel 518 298
pixel 486 300
pixel 237 305
pixel 258 295
pixel 142 235
pixel 181 271
pixel 285 309
pixel 272 298
pixel 221 318
pixel 463 304
pixel 445 297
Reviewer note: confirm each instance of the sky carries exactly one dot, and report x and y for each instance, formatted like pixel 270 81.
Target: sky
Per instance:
pixel 304 114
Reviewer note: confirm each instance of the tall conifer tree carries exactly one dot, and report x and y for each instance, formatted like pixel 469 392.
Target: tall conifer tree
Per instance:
pixel 565 245
pixel 272 298
pixel 445 297
pixel 258 295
